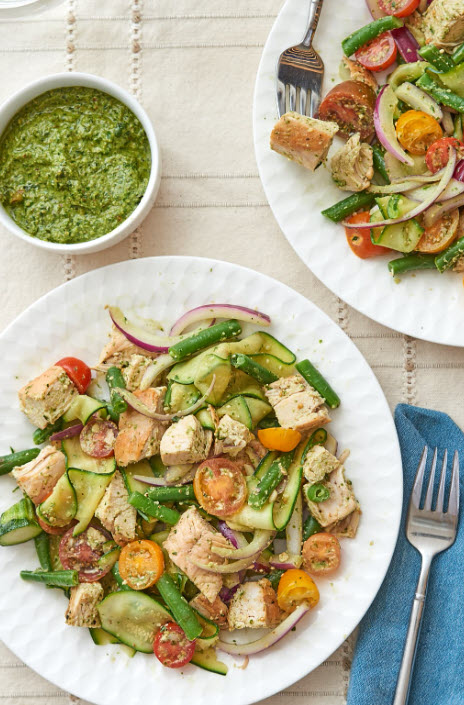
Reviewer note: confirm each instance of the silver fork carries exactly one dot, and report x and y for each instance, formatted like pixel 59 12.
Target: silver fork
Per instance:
pixel 430 532
pixel 300 71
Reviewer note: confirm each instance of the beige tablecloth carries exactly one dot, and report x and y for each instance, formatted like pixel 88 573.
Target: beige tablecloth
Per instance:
pixel 193 67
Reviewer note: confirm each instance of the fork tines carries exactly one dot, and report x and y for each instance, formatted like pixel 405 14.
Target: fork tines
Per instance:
pixel 453 497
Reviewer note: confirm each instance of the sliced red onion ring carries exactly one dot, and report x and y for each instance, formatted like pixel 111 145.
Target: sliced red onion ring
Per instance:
pixel 226 594
pixel 269 639
pixel 447 122
pixel 155 368
pixel 393 188
pixel 453 189
pixel 437 211
pixel 260 541
pixel 69 432
pixel 418 99
pixel 180 325
pixel 223 568
pixel 459 171
pixel 235 537
pixel 435 193
pixel 261 567
pixel 139 336
pixel 384 127
pixel 406 43
pixel 292 561
pixel 419 178
pixel 143 409
pixel 240 313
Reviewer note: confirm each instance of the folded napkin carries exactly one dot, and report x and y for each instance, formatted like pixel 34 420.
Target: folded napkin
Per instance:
pixel 438 677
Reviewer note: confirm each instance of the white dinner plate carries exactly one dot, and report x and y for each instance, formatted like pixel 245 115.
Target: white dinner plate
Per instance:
pixel 425 304
pixel 71 320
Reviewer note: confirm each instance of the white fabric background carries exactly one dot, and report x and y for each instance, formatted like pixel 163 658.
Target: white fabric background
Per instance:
pixel 193 67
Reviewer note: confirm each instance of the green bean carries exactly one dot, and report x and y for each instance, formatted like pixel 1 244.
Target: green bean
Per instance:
pixel 252 368
pixel 270 480
pixel 42 546
pixel 41 435
pixel 13 460
pixel 153 509
pixel 457 132
pixel 274 578
pixel 401 265
pixel 205 338
pixel 370 31
pixel 114 379
pixel 442 95
pixel 171 494
pixel 379 162
pixel 180 608
pixel 448 258
pixel 458 54
pixel 117 576
pixel 318 492
pixel 59 578
pixel 341 210
pixel 441 61
pixel 310 527
pixel 317 438
pixel 316 380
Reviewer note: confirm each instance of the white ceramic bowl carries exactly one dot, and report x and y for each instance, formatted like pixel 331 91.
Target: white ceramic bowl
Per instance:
pixel 60 80
pixel 23 8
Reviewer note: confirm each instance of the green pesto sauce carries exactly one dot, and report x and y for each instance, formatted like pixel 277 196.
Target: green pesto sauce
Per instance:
pixel 74 164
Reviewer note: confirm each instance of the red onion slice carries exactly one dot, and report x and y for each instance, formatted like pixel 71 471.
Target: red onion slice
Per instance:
pixel 259 542
pixel 226 594
pixel 201 313
pixel 224 568
pixel 435 193
pixel 384 127
pixel 453 189
pixel 406 43
pixel 155 368
pixel 139 336
pixel 269 639
pixel 69 432
pixel 235 537
pixel 437 211
pixel 292 561
pixel 459 171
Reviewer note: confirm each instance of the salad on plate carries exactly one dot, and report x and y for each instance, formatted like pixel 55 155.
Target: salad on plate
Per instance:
pixel 399 109
pixel 184 488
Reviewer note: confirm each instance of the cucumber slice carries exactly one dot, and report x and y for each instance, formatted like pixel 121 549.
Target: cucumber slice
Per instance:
pixel 244 385
pixel 283 508
pixel 265 464
pixel 102 638
pixel 89 488
pixel 272 346
pixel 395 206
pixel 82 408
pixel 209 366
pixel 76 458
pixel 208 661
pixel 250 345
pixel 274 365
pixel 237 408
pixel 18 524
pixel 185 372
pixel 133 617
pixel 110 558
pixel 157 466
pixel 205 418
pixel 143 468
pixel 402 237
pixel 258 409
pixel 61 506
pixel 255 518
pixel 181 396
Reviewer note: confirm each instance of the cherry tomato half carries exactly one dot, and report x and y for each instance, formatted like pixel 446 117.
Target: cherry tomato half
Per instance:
pixel 284 439
pixel 141 564
pixel 220 487
pixel 399 8
pixel 438 236
pixel 78 372
pixel 53 530
pixel 321 554
pixel 438 153
pixel 360 240
pixel 172 647
pixel 351 105
pixel 378 54
pixel 295 587
pixel 98 437
pixel 416 131
pixel 83 552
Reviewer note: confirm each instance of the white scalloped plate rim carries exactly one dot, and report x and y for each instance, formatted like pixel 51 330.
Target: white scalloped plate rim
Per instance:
pixel 31 617
pixel 425 304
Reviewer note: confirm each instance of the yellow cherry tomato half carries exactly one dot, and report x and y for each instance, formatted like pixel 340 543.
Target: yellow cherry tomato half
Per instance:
pixel 220 487
pixel 295 587
pixel 321 554
pixel 440 235
pixel 141 564
pixel 416 131
pixel 284 439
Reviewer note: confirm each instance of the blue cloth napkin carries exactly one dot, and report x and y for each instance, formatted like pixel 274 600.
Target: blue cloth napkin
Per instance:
pixel 438 677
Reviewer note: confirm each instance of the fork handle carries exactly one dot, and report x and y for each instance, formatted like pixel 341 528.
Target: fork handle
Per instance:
pixel 410 647
pixel 314 13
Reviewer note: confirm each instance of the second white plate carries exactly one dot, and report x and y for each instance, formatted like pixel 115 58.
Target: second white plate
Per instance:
pixel 425 305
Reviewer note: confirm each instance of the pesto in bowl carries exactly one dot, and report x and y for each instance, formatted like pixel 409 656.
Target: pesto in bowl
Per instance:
pixel 74 164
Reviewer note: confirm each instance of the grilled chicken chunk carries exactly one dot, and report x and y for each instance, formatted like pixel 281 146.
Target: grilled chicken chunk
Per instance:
pixel 47 397
pixel 303 139
pixel 254 605
pixel 231 437
pixel 296 404
pixel 115 512
pixel 38 477
pixel 443 23
pixel 353 165
pixel 319 463
pixel 82 608
pixel 340 503
pixel 139 436
pixel 216 610
pixel 185 442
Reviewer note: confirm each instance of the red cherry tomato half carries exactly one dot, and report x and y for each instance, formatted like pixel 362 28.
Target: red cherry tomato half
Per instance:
pixel 437 155
pixel 78 372
pixel 83 552
pixel 399 8
pixel 351 105
pixel 378 54
pixel 98 437
pixel 360 240
pixel 53 530
pixel 172 647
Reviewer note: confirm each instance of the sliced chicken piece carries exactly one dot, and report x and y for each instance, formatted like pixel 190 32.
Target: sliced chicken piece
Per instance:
pixel 231 437
pixel 47 397
pixel 303 139
pixel 353 165
pixel 254 605
pixel 38 477
pixel 139 436
pixel 134 369
pixel 115 512
pixel 119 350
pixel 347 527
pixel 192 538
pixel 82 608
pixel 340 503
pixel 216 611
pixel 185 442
pixel 443 23
pixel 356 72
pixel 319 463
pixel 296 404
